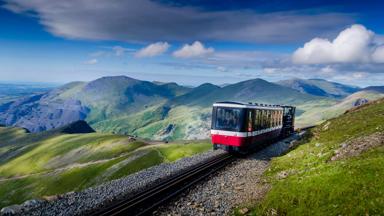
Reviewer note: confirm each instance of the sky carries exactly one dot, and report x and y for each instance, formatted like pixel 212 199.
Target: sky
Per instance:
pixel 192 42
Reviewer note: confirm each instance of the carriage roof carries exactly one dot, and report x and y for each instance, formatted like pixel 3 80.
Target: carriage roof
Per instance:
pixel 248 105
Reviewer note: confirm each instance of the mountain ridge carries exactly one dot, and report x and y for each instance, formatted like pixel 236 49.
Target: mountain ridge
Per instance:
pixel 320 87
pixel 152 110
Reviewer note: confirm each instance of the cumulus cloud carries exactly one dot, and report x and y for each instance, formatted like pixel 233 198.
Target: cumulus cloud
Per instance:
pixel 355 44
pixel 91 62
pixel 147 20
pixel 153 50
pixel 194 50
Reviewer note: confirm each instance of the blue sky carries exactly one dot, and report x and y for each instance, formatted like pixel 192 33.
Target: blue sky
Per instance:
pixel 192 42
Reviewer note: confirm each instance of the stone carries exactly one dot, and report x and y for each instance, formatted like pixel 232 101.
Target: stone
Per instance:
pixel 244 211
pixel 11 210
pixel 32 203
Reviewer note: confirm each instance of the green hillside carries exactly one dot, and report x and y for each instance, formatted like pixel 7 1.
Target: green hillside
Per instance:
pixel 49 163
pixel 167 111
pixel 319 111
pixel 188 116
pixel 336 170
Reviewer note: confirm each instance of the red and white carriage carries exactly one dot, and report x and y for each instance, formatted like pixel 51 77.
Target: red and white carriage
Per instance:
pixel 239 127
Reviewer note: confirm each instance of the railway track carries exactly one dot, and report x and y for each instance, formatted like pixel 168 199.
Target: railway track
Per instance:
pixel 146 201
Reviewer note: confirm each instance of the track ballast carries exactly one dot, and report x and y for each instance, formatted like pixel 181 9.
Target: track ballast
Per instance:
pixel 146 201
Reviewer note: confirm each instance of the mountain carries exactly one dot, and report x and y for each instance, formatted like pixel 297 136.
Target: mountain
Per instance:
pixel 377 89
pixel 318 114
pixel 94 101
pixel 320 87
pixel 45 111
pixel 255 90
pixel 151 110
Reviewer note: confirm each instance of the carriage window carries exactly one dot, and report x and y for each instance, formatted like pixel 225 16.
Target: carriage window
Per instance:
pixel 228 119
pixel 250 120
pixel 256 122
pixel 265 119
pixel 281 118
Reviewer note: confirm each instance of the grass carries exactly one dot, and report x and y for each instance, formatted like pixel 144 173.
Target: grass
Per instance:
pixel 55 163
pixel 61 150
pixel 317 186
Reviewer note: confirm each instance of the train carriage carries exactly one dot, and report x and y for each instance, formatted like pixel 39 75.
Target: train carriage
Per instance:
pixel 239 127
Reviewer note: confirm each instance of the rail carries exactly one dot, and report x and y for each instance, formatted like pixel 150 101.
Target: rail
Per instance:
pixel 146 201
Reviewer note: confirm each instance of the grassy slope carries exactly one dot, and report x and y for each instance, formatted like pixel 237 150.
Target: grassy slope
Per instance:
pixel 53 163
pixel 317 186
pixel 321 110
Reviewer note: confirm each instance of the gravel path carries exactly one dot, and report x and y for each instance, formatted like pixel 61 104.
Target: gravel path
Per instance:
pixel 79 203
pixel 234 185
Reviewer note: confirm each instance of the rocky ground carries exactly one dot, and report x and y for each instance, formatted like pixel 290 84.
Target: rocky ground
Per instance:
pixel 233 186
pixel 357 146
pixel 79 203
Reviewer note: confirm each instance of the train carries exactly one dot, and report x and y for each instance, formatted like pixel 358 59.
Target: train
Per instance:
pixel 246 127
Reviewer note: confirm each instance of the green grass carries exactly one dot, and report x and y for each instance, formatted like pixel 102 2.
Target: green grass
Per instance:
pixel 56 163
pixel 64 149
pixel 151 158
pixel 176 151
pixel 317 186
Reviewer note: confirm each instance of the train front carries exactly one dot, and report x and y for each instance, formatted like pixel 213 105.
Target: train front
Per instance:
pixel 228 130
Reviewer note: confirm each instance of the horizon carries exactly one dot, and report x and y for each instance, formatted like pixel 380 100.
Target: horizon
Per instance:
pixel 54 85
pixel 210 41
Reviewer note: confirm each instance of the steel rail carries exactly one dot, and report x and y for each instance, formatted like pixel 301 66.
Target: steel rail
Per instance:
pixel 146 201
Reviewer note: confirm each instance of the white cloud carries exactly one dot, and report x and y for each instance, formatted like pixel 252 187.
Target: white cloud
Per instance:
pixel 378 55
pixel 353 45
pixel 119 51
pixel 153 49
pixel 194 50
pixel 91 62
pixel 148 20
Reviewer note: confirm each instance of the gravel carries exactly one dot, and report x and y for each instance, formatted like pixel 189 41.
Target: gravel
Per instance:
pixel 80 203
pixel 231 187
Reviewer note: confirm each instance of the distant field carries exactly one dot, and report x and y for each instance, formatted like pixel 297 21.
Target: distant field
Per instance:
pixel 43 164
pixel 310 181
pixel 12 91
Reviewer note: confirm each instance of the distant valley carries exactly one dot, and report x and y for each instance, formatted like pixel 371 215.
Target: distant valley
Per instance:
pixel 168 111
